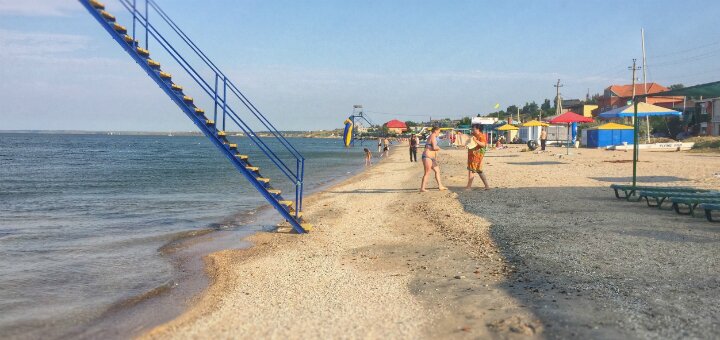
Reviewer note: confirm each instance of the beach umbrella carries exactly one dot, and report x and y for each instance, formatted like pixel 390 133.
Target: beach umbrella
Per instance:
pixel 569 118
pixel 507 127
pixel 534 123
pixel 644 110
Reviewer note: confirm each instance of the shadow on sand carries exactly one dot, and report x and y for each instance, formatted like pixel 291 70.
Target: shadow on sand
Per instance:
pixel 641 179
pixel 591 266
pixel 536 163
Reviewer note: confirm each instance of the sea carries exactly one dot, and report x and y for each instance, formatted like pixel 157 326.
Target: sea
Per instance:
pixel 89 224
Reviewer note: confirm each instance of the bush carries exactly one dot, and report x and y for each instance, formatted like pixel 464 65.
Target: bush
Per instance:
pixel 705 142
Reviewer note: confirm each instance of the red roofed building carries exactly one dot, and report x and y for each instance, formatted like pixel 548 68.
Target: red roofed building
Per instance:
pixel 396 126
pixel 618 95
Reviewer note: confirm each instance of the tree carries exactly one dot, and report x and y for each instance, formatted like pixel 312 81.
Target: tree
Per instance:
pixel 512 109
pixel 410 123
pixel 530 108
pixel 546 105
pixel 676 86
pixel 594 99
pixel 466 121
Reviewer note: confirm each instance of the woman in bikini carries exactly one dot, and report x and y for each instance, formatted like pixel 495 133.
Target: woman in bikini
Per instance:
pixel 476 152
pixel 429 159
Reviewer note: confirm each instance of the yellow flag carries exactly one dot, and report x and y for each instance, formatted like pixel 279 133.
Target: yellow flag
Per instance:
pixel 497 106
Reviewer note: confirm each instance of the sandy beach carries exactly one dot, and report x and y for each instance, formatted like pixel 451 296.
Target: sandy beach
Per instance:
pixel 547 253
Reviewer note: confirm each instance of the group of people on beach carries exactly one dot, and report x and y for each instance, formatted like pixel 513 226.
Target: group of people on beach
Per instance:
pixel 477 145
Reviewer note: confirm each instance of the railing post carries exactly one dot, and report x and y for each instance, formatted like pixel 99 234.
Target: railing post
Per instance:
pixel 134 19
pixel 147 22
pixel 224 101
pixel 215 98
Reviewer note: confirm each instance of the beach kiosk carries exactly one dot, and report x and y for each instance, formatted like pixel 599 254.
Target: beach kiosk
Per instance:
pixel 531 131
pixel 510 132
pixel 607 135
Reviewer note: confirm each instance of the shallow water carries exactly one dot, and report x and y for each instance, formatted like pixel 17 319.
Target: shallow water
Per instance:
pixel 83 217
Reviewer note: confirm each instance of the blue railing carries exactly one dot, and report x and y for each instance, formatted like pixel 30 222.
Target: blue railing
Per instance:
pixel 221 91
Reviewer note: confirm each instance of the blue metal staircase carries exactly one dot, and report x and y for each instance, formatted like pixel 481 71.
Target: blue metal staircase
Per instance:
pixel 226 98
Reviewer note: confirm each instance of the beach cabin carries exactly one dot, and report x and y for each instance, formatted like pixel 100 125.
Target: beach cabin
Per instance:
pixel 607 134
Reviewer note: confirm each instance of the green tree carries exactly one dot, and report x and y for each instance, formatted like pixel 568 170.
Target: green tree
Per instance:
pixel 466 121
pixel 676 86
pixel 512 109
pixel 546 105
pixel 410 123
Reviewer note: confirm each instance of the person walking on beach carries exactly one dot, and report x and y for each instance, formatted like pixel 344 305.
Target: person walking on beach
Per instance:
pixel 476 152
pixel 413 148
pixel 386 147
pixel 429 159
pixel 543 138
pixel 368 157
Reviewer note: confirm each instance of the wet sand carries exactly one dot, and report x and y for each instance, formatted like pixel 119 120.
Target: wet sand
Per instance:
pixel 549 252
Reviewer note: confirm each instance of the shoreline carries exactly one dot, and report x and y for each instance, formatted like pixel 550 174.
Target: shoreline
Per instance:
pixel 187 254
pixel 520 260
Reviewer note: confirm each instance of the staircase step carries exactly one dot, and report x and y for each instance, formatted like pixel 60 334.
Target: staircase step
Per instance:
pixel 119 28
pixel 176 87
pixel 222 133
pixel 243 157
pixel 97 4
pixel 253 168
pixel 300 214
pixel 188 99
pixel 263 179
pixel 199 111
pixel 232 146
pixel 286 203
pixel 143 52
pixel 275 191
pixel 153 63
pixel 209 122
pixel 165 75
pixel 307 226
pixel 129 39
pixel 107 16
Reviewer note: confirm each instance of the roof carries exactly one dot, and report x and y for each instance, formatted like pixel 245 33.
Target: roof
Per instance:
pixel 707 90
pixel 643 110
pixel 507 127
pixel 626 91
pixel 611 126
pixel 571 102
pixel 396 124
pixel 535 123
pixel 570 117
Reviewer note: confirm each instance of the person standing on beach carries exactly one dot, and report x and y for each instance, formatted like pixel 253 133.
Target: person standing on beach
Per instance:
pixel 429 159
pixel 368 157
pixel 476 152
pixel 543 138
pixel 413 148
pixel 386 147
pixel 380 146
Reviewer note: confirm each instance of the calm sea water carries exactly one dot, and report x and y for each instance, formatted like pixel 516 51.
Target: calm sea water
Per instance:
pixel 82 217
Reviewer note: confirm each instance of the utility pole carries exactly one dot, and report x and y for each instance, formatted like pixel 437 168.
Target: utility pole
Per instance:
pixel 644 69
pixel 633 68
pixel 636 148
pixel 558 101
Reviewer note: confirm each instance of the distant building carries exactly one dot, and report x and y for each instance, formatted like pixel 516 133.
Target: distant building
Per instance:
pixel 618 95
pixel 579 107
pixel 396 126
pixel 709 108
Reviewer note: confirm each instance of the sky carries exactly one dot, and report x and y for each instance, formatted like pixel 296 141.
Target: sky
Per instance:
pixel 304 64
